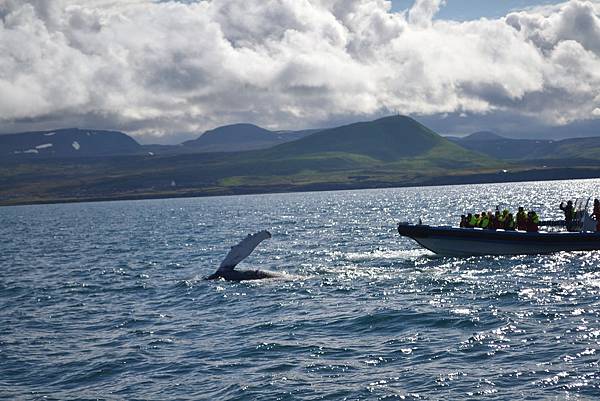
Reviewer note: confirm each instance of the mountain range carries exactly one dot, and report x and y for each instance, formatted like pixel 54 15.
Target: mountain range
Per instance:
pixel 571 150
pixel 74 142
pixel 243 158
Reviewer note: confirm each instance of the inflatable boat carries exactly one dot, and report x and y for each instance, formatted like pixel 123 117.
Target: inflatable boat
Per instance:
pixel 455 241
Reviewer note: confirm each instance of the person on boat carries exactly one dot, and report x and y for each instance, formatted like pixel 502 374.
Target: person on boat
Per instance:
pixel 485 220
pixel 498 221
pixel 463 221
pixel 533 222
pixel 501 218
pixel 569 211
pixel 483 217
pixel 509 223
pixel 596 213
pixel 472 220
pixel 521 219
pixel 492 218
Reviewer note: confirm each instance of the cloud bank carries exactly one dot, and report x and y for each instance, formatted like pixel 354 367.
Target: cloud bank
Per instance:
pixel 161 68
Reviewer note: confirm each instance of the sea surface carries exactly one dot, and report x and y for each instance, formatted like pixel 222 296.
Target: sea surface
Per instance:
pixel 107 301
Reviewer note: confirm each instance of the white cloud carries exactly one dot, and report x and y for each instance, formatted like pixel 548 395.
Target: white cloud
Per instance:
pixel 171 67
pixel 423 11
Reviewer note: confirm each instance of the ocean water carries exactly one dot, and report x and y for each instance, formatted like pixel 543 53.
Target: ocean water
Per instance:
pixel 107 301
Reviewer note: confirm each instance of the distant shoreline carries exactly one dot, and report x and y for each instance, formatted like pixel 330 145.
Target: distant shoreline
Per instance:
pixel 548 174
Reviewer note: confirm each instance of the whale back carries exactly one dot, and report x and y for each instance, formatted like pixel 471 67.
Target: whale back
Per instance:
pixel 241 251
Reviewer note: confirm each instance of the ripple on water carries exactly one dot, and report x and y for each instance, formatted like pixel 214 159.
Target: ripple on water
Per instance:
pixel 107 300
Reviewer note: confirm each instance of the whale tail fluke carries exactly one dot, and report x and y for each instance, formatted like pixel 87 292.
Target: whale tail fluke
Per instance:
pixel 242 250
pixel 238 253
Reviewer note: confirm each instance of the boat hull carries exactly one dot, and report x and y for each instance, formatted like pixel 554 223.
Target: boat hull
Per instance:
pixel 453 241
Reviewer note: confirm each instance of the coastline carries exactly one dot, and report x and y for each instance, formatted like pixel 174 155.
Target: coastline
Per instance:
pixel 526 175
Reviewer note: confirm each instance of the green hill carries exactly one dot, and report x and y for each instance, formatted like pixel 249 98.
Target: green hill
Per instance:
pixel 387 141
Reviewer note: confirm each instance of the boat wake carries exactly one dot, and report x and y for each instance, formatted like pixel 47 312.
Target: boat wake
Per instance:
pixel 404 254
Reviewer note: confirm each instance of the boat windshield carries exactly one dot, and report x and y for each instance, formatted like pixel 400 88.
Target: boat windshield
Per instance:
pixel 583 220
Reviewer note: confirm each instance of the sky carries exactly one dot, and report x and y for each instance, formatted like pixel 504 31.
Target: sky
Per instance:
pixel 165 71
pixel 464 10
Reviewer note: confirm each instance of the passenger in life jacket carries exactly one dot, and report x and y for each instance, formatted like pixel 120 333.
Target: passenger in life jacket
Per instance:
pixel 509 223
pixel 502 218
pixel 480 219
pixel 596 213
pixel 521 219
pixel 485 220
pixel 472 220
pixel 477 220
pixel 468 220
pixel 463 221
pixel 533 222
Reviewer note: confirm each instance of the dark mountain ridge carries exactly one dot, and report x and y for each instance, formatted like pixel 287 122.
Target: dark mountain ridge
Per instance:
pixel 498 147
pixel 67 142
pixel 232 138
pixel 241 137
pixel 75 142
pixel 483 136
